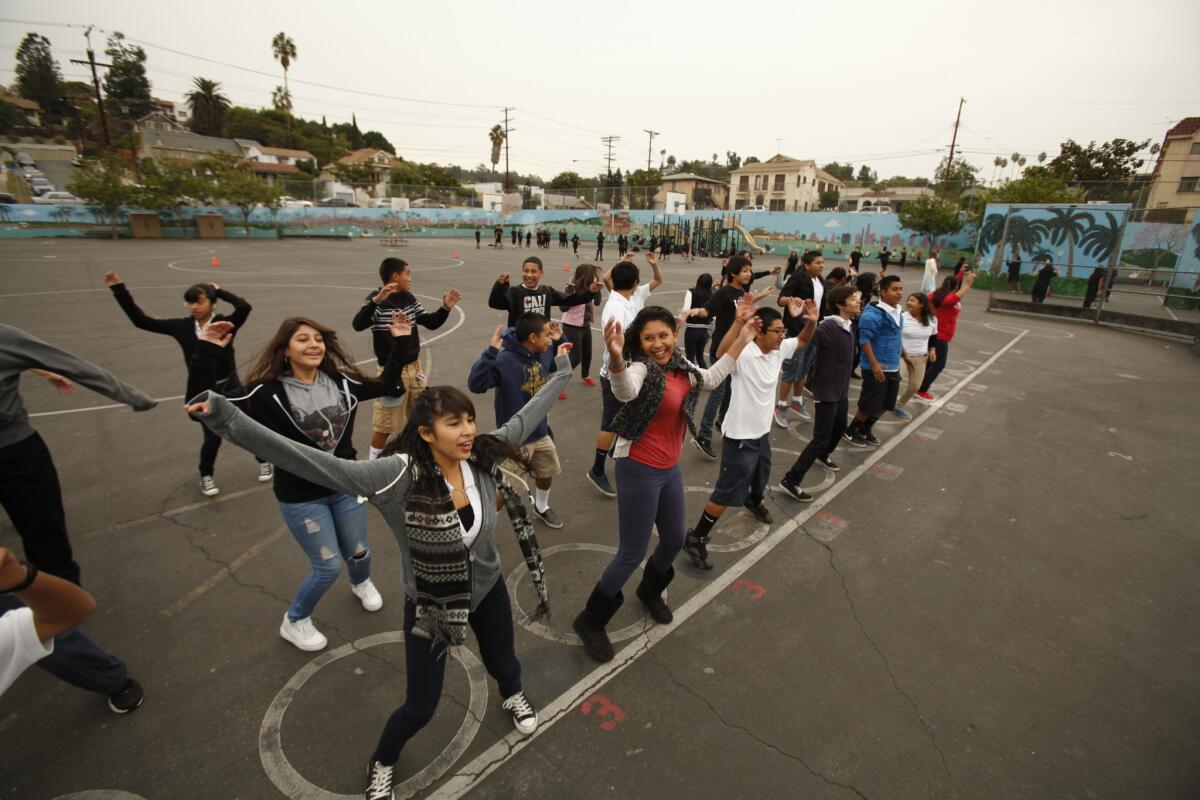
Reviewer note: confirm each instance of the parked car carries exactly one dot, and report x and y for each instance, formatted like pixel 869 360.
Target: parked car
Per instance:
pixel 874 210
pixel 7 199
pixel 753 208
pixel 336 202
pixel 58 198
pixel 40 186
pixel 32 172
pixel 26 160
pixel 381 202
pixel 425 202
pixel 291 202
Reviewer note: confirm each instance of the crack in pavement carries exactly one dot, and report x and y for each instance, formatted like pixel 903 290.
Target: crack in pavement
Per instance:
pixel 879 651
pixel 765 743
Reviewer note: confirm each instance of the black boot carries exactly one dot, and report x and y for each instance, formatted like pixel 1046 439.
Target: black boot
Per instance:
pixel 650 590
pixel 591 621
pixel 696 548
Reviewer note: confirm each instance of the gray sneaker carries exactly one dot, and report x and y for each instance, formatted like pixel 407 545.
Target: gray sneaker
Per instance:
pixel 551 519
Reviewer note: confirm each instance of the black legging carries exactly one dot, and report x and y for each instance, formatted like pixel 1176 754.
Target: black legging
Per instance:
pixel 694 342
pixel 426 669
pixel 933 370
pixel 580 337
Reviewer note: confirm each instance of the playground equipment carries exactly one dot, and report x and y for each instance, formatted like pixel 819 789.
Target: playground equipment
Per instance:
pixel 733 221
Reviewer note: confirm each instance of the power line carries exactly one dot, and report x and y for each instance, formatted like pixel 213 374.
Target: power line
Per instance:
pixel 608 142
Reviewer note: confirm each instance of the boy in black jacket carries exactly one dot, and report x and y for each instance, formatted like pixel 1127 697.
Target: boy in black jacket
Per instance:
pixel 201 300
pixel 376 314
pixel 531 296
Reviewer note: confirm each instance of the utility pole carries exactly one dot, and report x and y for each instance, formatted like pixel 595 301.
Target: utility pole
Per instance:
pixel 507 131
pixel 608 142
pixel 650 147
pixel 953 141
pixel 95 82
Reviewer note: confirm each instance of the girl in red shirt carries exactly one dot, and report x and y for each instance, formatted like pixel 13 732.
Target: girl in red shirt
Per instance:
pixel 947 303
pixel 659 388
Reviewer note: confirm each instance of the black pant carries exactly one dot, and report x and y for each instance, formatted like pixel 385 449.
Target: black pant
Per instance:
pixel 694 341
pixel 1089 297
pixel 829 423
pixel 933 370
pixel 30 493
pixel 580 337
pixel 425 668
pixel 600 252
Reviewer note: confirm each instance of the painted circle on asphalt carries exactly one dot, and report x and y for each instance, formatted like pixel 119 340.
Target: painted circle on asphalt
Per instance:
pixel 294 785
pixel 1049 334
pixel 761 529
pixel 545 631
pixel 100 794
pixel 821 485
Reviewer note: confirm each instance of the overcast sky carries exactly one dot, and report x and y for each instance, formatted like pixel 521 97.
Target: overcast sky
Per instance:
pixel 868 82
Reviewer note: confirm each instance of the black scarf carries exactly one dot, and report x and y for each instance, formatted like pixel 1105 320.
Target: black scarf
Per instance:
pixel 631 421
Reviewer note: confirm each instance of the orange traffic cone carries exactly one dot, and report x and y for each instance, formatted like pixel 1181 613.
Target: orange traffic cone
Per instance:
pixel 566 267
pixel 215 262
pixel 454 254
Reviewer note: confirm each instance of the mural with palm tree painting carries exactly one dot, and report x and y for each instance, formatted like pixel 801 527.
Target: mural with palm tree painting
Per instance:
pixel 1069 235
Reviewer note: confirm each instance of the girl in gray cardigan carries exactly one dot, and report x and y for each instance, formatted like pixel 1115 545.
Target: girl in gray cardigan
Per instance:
pixel 439 488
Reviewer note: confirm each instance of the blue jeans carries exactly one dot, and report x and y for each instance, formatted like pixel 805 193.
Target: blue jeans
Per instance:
pixel 646 497
pixel 325 528
pixel 716 402
pixel 78 660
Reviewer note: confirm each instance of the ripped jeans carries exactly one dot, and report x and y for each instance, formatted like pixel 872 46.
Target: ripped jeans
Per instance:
pixel 330 530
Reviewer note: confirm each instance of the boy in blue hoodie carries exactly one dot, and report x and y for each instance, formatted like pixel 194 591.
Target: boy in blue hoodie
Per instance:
pixel 516 364
pixel 879 338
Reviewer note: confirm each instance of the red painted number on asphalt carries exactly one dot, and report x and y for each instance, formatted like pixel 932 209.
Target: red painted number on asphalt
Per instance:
pixel 604 708
pixel 753 590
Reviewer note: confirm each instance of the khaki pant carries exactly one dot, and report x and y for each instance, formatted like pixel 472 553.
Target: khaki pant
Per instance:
pixel 391 418
pixel 542 457
pixel 916 373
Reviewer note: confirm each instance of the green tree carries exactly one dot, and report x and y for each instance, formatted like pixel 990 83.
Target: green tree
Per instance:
pixel 1102 171
pixel 732 159
pixel 643 186
pixel 496 136
pixel 283 49
pixel 126 86
pixel 750 160
pixel 164 186
pixel 867 175
pixel 1067 225
pixel 931 216
pixel 960 176
pixel 231 180
pixel 10 116
pixel 101 183
pixel 829 199
pixel 281 101
pixel 378 141
pixel 1036 186
pixel 209 107
pixel 843 172
pixel 38 76
pixel 569 182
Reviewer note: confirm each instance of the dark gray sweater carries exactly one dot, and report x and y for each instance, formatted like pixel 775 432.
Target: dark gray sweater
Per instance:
pixel 385 481
pixel 20 351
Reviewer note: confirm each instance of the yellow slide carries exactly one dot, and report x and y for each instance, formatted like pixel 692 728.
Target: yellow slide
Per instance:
pixel 753 245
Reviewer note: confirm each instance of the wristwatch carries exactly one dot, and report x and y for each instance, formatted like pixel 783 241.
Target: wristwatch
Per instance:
pixel 30 573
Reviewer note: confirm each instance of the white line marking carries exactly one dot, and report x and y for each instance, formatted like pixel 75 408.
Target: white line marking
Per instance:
pixel 487 762
pixel 1167 308
pixel 222 574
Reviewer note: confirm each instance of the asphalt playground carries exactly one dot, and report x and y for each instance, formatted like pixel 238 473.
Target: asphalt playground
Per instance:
pixel 1001 601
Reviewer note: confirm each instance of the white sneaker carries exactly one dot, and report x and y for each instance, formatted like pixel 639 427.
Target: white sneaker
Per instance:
pixel 208 487
pixel 781 416
pixel 371 599
pixel 265 472
pixel 797 406
pixel 302 633
pixel 524 716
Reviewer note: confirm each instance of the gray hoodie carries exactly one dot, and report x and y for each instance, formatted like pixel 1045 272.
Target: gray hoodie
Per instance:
pixel 20 351
pixel 384 482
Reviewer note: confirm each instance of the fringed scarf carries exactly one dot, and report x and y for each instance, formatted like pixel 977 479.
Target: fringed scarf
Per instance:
pixel 440 560
pixel 634 416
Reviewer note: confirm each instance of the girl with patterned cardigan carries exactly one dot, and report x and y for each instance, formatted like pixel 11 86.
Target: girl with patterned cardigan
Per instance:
pixel 659 388
pixel 443 513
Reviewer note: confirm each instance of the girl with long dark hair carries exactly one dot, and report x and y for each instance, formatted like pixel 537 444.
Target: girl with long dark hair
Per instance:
pixel 865 283
pixel 577 320
pixel 439 488
pixel 959 267
pixel 920 325
pixel 947 304
pixel 304 386
pixel 695 334
pixel 659 388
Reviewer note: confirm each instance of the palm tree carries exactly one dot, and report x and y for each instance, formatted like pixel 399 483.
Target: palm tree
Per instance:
pixel 281 99
pixel 284 50
pixel 989 236
pixel 995 167
pixel 209 106
pixel 1102 242
pixel 5 213
pixel 1041 157
pixel 1067 225
pixel 496 134
pixel 62 214
pixel 1016 162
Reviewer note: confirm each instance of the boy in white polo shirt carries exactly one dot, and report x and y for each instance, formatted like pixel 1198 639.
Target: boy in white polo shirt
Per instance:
pixel 746 443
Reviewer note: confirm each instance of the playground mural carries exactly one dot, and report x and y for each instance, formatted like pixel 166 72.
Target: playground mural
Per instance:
pixel 1077 239
pixel 775 230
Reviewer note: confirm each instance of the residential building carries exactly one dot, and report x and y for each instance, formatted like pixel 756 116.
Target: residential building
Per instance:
pixel 30 108
pixel 275 155
pixel 380 161
pixel 159 121
pixel 180 112
pixel 1175 189
pixel 860 198
pixel 780 183
pixel 702 193
pixel 169 145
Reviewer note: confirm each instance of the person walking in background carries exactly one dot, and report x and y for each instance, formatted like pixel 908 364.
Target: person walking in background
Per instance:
pixel 1095 285
pixel 201 301
pixel 830 386
pixel 32 497
pixel 499 232
pixel 695 334
pixel 929 279
pixel 947 305
pixel 856 257
pixel 528 237
pixel 600 246
pixel 575 245
pixel 920 325
pixel 478 237
pixel 1041 284
pixel 1014 271
pixel 885 256
pixel 577 320
pixel 658 388
pixel 903 257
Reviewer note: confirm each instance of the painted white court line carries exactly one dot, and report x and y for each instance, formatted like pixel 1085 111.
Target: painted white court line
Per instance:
pixel 473 773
